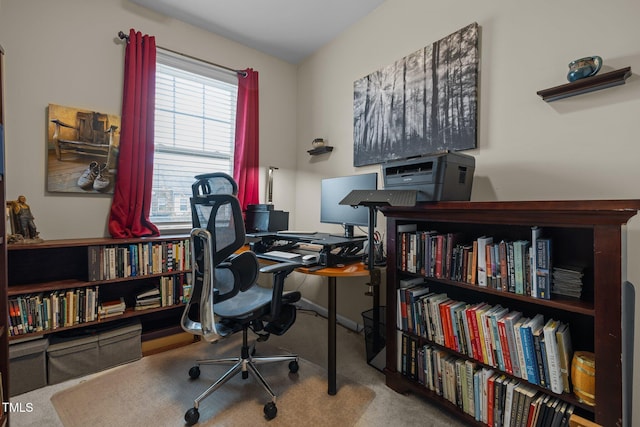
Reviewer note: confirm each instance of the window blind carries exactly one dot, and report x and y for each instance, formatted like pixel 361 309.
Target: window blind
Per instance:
pixel 194 132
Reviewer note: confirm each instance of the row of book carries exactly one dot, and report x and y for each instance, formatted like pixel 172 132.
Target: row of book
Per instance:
pixel 52 310
pixel 138 259
pixel 533 349
pixel 521 266
pixel 490 397
pixel 56 309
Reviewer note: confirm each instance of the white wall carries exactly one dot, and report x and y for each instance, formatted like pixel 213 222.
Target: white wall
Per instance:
pixel 584 147
pixel 67 52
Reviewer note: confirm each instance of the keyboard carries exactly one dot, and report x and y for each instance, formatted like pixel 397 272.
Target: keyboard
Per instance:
pixel 280 256
pixel 294 232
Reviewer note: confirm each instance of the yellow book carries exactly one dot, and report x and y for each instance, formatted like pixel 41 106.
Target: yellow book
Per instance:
pixel 483 345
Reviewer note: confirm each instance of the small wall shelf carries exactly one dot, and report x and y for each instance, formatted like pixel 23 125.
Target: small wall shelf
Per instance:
pixel 320 150
pixel 589 84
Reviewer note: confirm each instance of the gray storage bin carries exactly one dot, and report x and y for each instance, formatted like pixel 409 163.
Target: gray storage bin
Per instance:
pixel 27 366
pixel 71 358
pixel 118 346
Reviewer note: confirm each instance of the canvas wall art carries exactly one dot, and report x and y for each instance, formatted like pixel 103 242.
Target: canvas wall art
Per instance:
pixel 424 103
pixel 82 150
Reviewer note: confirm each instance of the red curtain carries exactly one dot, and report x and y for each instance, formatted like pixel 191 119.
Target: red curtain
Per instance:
pixel 131 202
pixel 245 162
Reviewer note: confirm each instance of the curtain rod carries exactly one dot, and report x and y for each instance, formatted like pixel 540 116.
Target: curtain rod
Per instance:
pixel 123 36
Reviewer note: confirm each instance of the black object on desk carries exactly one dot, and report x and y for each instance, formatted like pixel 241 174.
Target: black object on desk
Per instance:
pixel 334 249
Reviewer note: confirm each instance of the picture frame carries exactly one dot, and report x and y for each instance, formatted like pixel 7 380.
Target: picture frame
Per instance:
pixel 426 102
pixel 82 150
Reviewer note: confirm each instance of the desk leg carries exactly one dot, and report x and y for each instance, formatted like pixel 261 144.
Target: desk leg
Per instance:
pixel 332 336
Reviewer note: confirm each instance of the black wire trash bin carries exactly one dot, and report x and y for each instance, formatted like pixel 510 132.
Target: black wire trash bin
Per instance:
pixel 375 337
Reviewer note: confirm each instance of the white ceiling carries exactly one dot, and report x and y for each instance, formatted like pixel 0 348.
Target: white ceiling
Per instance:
pixel 287 29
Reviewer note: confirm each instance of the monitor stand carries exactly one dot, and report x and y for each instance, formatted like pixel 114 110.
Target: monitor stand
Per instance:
pixel 372 200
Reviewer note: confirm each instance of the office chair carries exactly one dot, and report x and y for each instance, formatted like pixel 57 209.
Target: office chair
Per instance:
pixel 225 298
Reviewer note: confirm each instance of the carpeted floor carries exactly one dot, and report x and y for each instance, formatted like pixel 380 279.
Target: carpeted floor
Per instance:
pixel 307 337
pixel 156 391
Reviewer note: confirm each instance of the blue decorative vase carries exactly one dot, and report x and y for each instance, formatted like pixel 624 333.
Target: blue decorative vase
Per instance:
pixel 584 67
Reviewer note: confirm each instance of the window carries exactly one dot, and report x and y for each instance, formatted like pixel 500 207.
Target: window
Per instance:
pixel 194 132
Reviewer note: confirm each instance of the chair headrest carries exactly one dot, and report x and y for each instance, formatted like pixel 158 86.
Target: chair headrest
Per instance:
pixel 214 183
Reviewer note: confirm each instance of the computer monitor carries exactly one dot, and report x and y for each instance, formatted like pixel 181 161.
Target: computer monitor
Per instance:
pixel 333 190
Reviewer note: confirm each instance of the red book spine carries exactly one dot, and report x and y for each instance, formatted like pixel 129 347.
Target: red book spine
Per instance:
pixel 471 315
pixel 504 344
pixel 439 247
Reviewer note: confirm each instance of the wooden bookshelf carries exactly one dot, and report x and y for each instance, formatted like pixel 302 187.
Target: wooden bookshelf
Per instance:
pixel 39 269
pixel 589 233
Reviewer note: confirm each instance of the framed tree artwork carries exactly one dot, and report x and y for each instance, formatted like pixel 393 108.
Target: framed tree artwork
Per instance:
pixel 424 103
pixel 82 148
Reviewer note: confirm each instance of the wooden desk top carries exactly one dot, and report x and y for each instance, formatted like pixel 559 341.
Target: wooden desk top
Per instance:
pixel 349 270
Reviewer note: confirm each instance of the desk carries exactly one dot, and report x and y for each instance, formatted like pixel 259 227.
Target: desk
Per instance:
pixel 332 273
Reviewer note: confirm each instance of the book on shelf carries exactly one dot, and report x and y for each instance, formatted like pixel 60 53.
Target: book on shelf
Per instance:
pixel 553 358
pixel 541 355
pixel 504 270
pixel 567 416
pixel 473 267
pixel 508 401
pixel 470 370
pixel 536 233
pixel 524 404
pixel 482 264
pixel 477 394
pixel 487 373
pixel 550 411
pixel 150 298
pixel 520 255
pixel 567 281
pixel 565 354
pixel 504 343
pixel 491 389
pixel 485 330
pixel 515 403
pixel 530 359
pixel 519 348
pixel 499 400
pixel 111 308
pixel 544 268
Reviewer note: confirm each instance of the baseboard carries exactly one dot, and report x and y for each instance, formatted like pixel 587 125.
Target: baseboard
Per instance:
pixel 305 304
pixel 158 345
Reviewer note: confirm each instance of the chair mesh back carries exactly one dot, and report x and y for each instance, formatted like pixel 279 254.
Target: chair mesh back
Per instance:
pixel 214 206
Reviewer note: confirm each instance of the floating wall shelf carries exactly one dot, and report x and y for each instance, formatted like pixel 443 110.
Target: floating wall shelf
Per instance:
pixel 320 150
pixel 588 84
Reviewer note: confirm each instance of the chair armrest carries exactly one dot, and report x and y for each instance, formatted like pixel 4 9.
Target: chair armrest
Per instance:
pixel 58 122
pixel 280 271
pixel 281 266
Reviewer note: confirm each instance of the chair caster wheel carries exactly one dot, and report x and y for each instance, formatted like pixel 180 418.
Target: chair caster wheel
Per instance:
pixel 194 372
pixel 191 416
pixel 293 367
pixel 270 411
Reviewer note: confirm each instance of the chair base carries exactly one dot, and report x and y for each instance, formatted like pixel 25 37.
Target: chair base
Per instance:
pixel 245 364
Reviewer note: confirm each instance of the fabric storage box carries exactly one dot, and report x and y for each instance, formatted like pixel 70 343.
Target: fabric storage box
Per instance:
pixel 71 358
pixel 27 365
pixel 119 345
